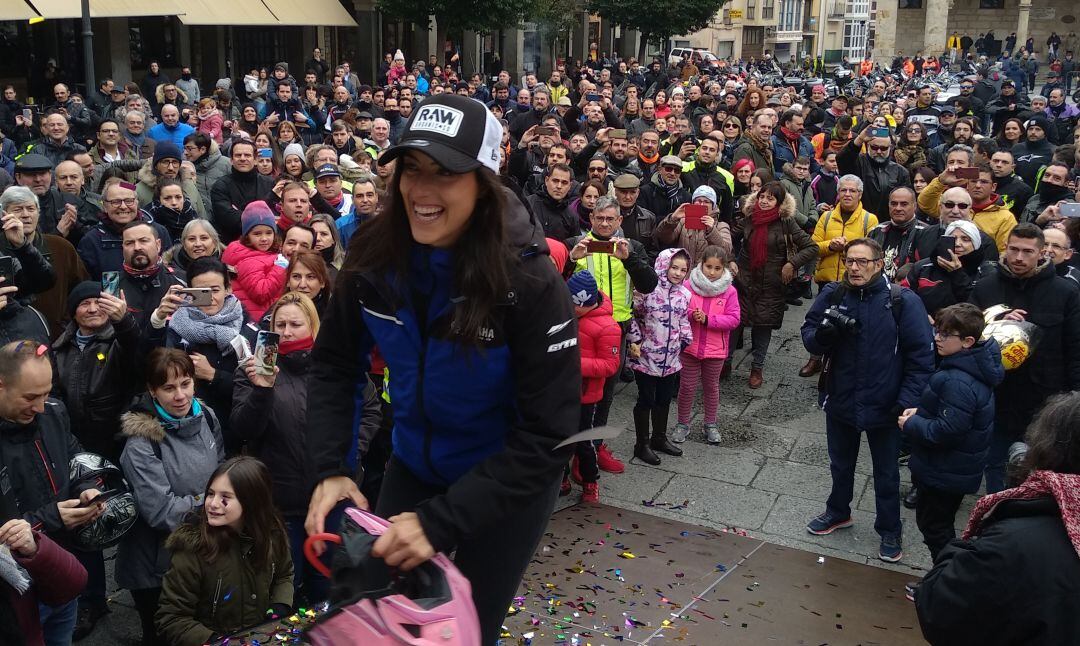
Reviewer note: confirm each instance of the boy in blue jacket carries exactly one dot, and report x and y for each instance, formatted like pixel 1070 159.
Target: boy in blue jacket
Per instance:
pixel 950 430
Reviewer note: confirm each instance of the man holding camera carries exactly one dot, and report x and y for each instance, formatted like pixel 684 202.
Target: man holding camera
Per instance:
pixel 878 351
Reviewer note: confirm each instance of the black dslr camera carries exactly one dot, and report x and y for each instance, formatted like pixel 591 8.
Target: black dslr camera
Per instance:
pixel 835 321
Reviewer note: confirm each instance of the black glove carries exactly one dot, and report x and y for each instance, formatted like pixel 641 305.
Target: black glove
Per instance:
pixel 827 334
pixel 279 610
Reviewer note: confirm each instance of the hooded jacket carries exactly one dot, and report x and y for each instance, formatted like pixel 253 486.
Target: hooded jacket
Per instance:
pixel 554 215
pixel 200 598
pixel 481 432
pixel 167 463
pixel 260 279
pixel 209 169
pixel 660 323
pixel 832 225
pixel 950 434
pixel 148 178
pixel 599 338
pixel 722 315
pixel 880 369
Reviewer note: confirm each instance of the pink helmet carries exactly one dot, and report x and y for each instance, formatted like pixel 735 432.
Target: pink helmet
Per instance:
pixel 372 605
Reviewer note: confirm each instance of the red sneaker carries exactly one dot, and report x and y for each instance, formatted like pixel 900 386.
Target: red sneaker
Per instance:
pixel 564 488
pixel 575 470
pixel 608 462
pixel 590 493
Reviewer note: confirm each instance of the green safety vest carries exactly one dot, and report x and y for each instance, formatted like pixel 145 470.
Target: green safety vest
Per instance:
pixel 612 279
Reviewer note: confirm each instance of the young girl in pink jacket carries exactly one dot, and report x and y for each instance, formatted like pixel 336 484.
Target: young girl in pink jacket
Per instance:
pixel 260 269
pixel 714 313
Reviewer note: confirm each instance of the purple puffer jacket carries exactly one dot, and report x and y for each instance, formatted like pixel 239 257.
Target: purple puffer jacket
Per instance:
pixel 660 323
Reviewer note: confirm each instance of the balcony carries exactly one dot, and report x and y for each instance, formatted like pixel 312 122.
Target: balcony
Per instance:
pixel 835 10
pixel 774 35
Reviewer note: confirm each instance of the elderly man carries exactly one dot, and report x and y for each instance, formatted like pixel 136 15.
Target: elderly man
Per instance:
pixel 32 272
pixel 877 169
pixel 170 129
pixel 1059 249
pixel 380 133
pixel 101 248
pixel 63 262
pixel 71 180
pixel 78 116
pixel 59 213
pixel 135 134
pixel 990 213
pixel 954 204
pixel 55 142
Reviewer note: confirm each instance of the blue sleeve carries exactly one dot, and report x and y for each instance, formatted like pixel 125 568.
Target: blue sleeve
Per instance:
pixel 916 340
pixel 956 414
pixel 813 319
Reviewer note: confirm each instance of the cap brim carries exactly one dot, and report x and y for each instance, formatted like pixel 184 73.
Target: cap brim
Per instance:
pixel 449 158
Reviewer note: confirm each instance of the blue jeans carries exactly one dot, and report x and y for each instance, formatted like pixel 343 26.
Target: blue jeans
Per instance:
pixel 843 440
pixel 1009 427
pixel 58 622
pixel 307 580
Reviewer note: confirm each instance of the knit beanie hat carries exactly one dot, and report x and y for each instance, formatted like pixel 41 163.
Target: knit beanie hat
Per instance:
pixel 583 290
pixel 166 150
pixel 969 229
pixel 293 149
pixel 706 192
pixel 255 214
pixel 558 252
pixel 81 292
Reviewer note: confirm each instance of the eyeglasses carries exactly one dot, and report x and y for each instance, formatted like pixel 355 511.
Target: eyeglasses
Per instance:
pixel 672 169
pixel 861 263
pixel 125 201
pixel 940 334
pixel 963 206
pixel 603 220
pixel 731 125
pixel 110 131
pixel 879 149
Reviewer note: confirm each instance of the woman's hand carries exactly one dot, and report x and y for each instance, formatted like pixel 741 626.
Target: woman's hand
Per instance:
pixel 787 273
pixel 952 264
pixel 708 221
pixel 18 536
pixel 634 350
pixel 262 381
pixel 679 214
pixel 326 496
pixel 733 267
pixel 203 369
pixel 403 545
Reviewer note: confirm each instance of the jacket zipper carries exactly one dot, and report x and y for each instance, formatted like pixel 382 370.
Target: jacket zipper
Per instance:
pixel 48 470
pixel 217 596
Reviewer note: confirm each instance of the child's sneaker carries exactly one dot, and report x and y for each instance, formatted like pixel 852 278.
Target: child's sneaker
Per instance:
pixel 590 493
pixel 608 462
pixel 564 488
pixel 680 433
pixel 712 433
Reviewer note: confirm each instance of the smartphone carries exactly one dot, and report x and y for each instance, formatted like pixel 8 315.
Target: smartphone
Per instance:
pixel 266 351
pixel 7 270
pixel 266 153
pixel 1069 210
pixel 546 131
pixel 600 246
pixel 102 497
pixel 945 244
pixel 618 133
pixel 592 97
pixel 110 282
pixel 967 172
pixel 197 296
pixel 694 213
pixel 27 115
pixel 880 132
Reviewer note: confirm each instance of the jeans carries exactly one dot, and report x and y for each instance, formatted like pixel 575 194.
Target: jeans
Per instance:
pixel 495 560
pixel 935 514
pixel 843 440
pixel 760 338
pixel 58 622
pixel 603 407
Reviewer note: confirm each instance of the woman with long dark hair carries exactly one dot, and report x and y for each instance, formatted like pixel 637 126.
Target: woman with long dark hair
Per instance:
pixel 479 337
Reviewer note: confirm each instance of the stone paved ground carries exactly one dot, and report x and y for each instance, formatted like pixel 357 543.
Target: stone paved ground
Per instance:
pixel 769 476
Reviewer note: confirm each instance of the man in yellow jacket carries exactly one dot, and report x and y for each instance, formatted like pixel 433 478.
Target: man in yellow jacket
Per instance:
pixel 989 212
pixel 835 228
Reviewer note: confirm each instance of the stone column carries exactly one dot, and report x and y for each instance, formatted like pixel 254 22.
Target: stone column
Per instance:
pixel 119 50
pixel 935 35
pixel 1022 23
pixel 885 31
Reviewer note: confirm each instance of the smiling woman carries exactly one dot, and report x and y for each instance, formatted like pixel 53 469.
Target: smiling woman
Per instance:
pixel 471 320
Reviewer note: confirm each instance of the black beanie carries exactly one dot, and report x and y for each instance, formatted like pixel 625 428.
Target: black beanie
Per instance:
pixel 81 292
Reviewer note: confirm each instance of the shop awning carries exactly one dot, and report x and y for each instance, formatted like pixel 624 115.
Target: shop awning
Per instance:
pixel 16 10
pixel 327 13
pixel 227 12
pixel 57 9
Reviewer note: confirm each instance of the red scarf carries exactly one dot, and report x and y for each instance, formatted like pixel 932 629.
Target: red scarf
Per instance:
pixel 284 223
pixel 759 237
pixel 979 208
pixel 1063 487
pixel 296 345
pixel 150 271
pixel 790 135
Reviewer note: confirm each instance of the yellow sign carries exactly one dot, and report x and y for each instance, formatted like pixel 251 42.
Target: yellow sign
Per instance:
pixel 735 14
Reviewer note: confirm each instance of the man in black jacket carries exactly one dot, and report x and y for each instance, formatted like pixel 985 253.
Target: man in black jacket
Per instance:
pixel 879 172
pixel 145 279
pixel 638 222
pixel 1013 190
pixel 1036 152
pixel 242 186
pixel 551 206
pixel 1028 283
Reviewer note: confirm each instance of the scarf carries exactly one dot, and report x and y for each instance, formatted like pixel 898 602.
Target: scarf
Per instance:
pixel 1063 487
pixel 195 326
pixel 759 237
pixel 12 573
pixel 149 272
pixel 584 215
pixel 790 135
pixel 671 192
pixel 709 288
pixel 137 140
pixel 284 222
pixel 1052 193
pixel 649 160
pixel 763 146
pixel 296 345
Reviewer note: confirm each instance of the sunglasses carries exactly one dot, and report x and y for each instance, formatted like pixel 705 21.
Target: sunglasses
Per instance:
pixel 963 206
pixel 879 149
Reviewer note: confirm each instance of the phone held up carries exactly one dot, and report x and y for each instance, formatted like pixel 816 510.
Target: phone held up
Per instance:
pixel 266 352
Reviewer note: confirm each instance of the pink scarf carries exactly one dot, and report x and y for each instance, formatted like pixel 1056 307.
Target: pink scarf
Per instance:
pixel 1063 487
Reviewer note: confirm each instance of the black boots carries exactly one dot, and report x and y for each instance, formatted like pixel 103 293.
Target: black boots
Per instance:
pixel 660 441
pixel 642 450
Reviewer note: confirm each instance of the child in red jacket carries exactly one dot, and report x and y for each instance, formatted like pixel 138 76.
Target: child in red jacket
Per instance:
pixel 598 339
pixel 260 268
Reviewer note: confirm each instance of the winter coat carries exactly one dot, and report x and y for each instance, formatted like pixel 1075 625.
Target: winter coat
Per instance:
pixel 784 154
pixel 272 421
pixel 761 291
pixel 878 180
pixel 555 216
pixel 618 278
pixel 1031 156
pixel 97 382
pixel 56 577
pixel 148 178
pixel 722 315
pixel 896 242
pixel 881 369
pixel 201 598
pixel 939 288
pixel 209 169
pixel 1053 304
pixel 950 434
pixel 69 271
pixel 994 220
pixel 231 194
pixel 211 125
pixel 173 221
pixel 660 324
pixel 176 134
pixel 672 233
pixel 54 152
pixel 102 248
pixel 167 463
pixel 36 456
pixel 824 186
pixel 144 293
pixel 832 225
pixel 639 224
pixel 19 322
pixel 599 338
pixel 1014 193
pixel 260 277
pixel 805 205
pixel 1015 583
pixel 480 430
pixel 695 174
pixel 654 198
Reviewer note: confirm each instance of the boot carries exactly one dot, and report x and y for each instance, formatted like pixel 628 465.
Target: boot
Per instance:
pixel 660 441
pixel 756 378
pixel 812 367
pixel 642 451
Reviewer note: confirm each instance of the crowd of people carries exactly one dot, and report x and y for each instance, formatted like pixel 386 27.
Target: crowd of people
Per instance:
pixel 399 238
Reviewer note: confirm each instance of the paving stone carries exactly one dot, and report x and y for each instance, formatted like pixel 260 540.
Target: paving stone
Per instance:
pixel 808 481
pixel 720 502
